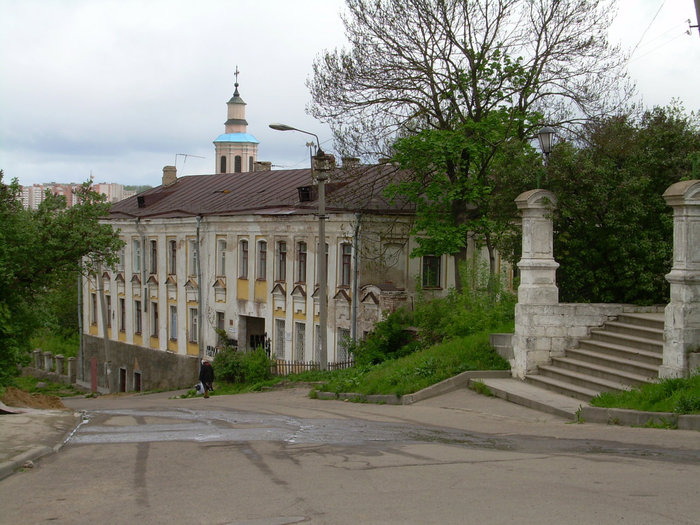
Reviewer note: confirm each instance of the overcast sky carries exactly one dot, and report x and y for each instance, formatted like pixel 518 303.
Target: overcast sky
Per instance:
pixel 117 88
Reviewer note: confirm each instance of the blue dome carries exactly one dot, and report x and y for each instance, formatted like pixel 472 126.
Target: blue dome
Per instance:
pixel 237 137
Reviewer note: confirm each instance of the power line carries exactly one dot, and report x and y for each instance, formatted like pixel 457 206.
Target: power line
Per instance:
pixel 647 29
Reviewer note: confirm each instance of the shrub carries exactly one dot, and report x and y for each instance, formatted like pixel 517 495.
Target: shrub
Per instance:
pixel 228 365
pixel 256 366
pixel 234 366
pixel 389 339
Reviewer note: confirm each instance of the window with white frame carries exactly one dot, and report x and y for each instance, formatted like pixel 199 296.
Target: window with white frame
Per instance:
pixel 172 257
pixel 172 325
pixel 136 255
pixel 93 308
pixel 345 264
pixel 122 256
pixel 138 323
pixel 221 257
pixel 279 338
pixel 281 270
pixel 262 260
pixel 192 257
pixel 342 345
pixel 299 336
pixel 301 262
pixel 194 328
pixel 122 314
pixel 431 271
pixel 243 259
pixel 154 319
pixel 108 300
pixel 154 256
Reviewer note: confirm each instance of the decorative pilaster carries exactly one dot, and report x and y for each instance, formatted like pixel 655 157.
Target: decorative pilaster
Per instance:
pixel 682 325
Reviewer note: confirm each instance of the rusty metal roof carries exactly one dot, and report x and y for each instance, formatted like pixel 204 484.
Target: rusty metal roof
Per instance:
pixel 273 192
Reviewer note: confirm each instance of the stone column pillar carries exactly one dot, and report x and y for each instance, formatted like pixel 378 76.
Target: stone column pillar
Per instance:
pixel 59 364
pixel 538 289
pixel 48 361
pixel 682 325
pixel 72 369
pixel 537 265
pixel 38 360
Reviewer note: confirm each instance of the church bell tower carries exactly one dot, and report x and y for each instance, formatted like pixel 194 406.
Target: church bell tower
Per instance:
pixel 236 149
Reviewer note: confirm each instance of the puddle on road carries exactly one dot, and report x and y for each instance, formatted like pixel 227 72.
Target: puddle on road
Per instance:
pixel 141 426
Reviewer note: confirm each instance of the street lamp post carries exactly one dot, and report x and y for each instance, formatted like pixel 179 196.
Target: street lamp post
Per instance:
pixel 545 136
pixel 321 164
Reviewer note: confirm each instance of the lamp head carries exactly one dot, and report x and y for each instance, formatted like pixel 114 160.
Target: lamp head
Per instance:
pixel 281 127
pixel 545 136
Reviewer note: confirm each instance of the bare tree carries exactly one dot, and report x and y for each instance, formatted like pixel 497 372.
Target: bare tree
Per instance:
pixel 422 64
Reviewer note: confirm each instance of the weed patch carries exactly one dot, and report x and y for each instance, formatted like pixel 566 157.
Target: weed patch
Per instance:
pixel 679 395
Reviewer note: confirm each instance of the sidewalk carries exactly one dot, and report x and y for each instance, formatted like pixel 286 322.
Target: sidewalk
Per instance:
pixel 27 434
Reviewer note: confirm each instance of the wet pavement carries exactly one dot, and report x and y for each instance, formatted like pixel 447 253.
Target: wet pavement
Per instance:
pixel 281 457
pixel 202 425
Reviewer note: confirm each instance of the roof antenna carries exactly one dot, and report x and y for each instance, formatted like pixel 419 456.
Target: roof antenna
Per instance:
pixel 186 155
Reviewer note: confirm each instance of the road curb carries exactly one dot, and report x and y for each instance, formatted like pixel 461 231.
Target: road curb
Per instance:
pixel 634 418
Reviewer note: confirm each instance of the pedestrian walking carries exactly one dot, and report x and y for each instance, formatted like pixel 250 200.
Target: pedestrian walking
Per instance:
pixel 206 376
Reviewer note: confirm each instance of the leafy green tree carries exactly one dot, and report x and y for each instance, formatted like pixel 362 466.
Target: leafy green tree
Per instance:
pixel 39 251
pixel 462 84
pixel 614 231
pixel 464 182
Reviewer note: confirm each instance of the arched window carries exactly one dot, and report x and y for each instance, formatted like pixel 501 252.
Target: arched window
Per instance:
pixel 223 164
pixel 250 163
pixel 237 164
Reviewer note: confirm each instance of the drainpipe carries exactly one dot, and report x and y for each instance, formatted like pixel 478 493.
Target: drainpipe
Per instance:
pixel 199 292
pixel 81 375
pixel 355 273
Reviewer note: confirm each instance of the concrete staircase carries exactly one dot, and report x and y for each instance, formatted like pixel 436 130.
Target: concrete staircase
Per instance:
pixel 621 354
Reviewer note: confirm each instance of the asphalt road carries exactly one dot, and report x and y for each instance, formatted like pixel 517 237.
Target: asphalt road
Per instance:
pixel 281 458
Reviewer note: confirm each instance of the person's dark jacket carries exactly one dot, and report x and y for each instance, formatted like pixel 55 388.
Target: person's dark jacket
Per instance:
pixel 206 374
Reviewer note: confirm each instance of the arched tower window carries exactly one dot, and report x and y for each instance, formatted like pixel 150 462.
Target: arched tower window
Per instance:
pixel 237 168
pixel 223 164
pixel 250 163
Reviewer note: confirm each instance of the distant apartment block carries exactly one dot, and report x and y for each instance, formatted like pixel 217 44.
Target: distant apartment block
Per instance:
pixel 33 195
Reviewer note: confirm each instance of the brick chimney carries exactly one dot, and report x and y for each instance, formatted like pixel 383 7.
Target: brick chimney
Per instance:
pixel 350 162
pixel 262 165
pixel 169 175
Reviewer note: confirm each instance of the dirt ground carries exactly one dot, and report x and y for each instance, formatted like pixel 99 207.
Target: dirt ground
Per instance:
pixel 15 397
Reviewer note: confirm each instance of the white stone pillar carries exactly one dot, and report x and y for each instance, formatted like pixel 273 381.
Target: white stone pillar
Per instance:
pixel 682 325
pixel 537 265
pixel 538 290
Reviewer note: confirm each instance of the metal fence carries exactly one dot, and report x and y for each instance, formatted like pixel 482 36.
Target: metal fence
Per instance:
pixel 285 368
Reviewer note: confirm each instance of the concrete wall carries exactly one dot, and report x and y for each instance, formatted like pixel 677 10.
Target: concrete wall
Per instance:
pixel 158 370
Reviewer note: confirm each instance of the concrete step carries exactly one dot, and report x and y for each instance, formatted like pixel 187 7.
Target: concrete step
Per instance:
pixel 634 366
pixel 624 352
pixel 531 396
pixel 646 332
pixel 603 371
pixel 627 340
pixel 593 383
pixel 565 388
pixel 649 320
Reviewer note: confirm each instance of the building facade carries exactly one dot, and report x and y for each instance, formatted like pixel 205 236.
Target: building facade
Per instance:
pixel 235 255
